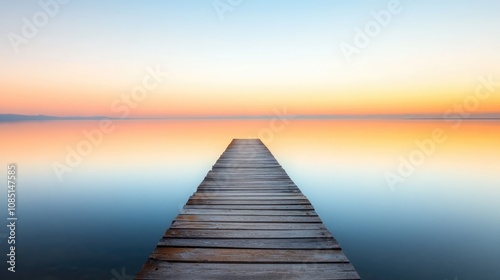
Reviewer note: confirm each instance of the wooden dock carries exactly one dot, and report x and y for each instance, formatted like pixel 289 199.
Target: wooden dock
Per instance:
pixel 247 220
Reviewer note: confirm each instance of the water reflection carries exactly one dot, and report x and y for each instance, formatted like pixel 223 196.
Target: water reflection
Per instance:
pixel 110 209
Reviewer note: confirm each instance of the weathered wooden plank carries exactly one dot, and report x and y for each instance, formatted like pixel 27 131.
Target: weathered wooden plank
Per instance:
pixel 253 163
pixel 246 185
pixel 248 212
pixel 250 170
pixel 249 184
pixel 298 197
pixel 247 188
pixel 215 271
pixel 256 193
pixel 267 173
pixel 248 179
pixel 299 244
pixel 251 207
pixel 236 164
pixel 224 187
pixel 228 191
pixel 241 191
pixel 201 233
pixel 245 226
pixel 215 255
pixel 249 219
pixel 275 172
pixel 248 159
pixel 246 176
pixel 241 179
pixel 247 156
pixel 243 195
pixel 248 202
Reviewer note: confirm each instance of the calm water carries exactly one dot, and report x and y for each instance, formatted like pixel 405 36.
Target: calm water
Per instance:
pixel 104 215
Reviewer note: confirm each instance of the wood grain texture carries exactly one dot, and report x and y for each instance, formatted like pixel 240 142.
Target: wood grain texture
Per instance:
pixel 220 271
pixel 251 207
pixel 250 212
pixel 250 218
pixel 257 233
pixel 218 255
pixel 247 220
pixel 267 243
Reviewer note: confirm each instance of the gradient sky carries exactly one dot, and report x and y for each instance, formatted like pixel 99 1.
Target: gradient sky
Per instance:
pixel 264 55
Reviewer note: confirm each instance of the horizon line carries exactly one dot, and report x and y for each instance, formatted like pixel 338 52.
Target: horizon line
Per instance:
pixel 41 117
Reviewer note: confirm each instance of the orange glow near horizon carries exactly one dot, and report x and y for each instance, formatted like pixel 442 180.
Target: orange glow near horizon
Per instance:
pixel 326 143
pixel 160 104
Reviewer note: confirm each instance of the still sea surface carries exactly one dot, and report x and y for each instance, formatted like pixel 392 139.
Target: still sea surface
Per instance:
pixel 402 204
